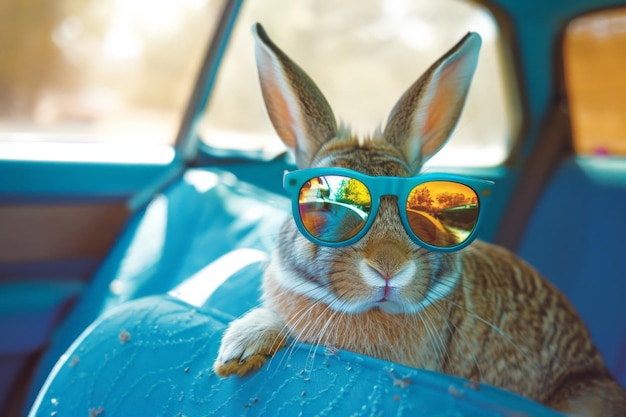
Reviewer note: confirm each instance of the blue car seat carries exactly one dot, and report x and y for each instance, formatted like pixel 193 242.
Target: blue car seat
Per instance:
pixel 575 238
pixel 142 339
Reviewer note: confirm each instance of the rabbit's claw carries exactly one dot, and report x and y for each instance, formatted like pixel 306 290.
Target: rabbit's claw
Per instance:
pixel 248 342
pixel 242 366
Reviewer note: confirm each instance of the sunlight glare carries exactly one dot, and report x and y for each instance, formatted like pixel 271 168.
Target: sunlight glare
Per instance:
pixel 137 20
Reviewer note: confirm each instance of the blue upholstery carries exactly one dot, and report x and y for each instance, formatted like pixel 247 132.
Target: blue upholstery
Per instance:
pixel 29 311
pixel 153 356
pixel 197 219
pixel 148 352
pixel 576 239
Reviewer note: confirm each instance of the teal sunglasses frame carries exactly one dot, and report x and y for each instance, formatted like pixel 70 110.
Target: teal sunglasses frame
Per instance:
pixel 400 187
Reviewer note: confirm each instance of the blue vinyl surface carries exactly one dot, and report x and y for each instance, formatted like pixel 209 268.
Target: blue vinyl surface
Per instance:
pixel 153 357
pixel 144 335
pixel 576 240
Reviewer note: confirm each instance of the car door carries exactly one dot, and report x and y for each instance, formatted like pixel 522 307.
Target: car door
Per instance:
pixel 93 100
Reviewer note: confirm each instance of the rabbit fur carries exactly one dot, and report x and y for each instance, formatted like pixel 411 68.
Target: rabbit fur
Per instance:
pixel 480 313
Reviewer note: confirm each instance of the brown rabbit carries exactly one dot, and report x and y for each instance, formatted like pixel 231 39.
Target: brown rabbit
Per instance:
pixel 480 313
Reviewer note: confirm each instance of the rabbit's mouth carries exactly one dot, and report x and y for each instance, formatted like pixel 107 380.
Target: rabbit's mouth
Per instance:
pixel 389 299
pixel 389 306
pixel 386 294
pixel 386 298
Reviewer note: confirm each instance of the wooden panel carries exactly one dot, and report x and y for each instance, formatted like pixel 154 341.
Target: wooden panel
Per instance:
pixel 49 232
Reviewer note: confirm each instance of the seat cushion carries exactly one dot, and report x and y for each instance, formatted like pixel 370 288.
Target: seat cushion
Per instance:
pixel 577 239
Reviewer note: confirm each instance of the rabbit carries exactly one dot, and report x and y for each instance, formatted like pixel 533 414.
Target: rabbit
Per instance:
pixel 479 313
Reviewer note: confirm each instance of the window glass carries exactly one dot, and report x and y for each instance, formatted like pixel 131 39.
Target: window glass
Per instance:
pixel 595 64
pixel 99 70
pixel 363 54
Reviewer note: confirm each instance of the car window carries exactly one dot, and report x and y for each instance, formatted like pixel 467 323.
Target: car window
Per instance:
pixel 594 67
pixel 99 70
pixel 363 54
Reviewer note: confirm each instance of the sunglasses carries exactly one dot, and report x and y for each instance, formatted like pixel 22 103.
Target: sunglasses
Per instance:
pixel 337 206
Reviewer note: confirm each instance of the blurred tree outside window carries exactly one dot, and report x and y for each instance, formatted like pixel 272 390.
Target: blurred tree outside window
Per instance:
pixel 99 70
pixel 363 54
pixel 594 54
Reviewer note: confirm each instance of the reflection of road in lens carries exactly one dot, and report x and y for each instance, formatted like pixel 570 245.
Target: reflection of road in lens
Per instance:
pixel 431 230
pixel 462 218
pixel 332 221
pixel 445 229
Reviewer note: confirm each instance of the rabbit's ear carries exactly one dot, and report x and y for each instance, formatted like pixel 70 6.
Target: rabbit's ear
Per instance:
pixel 427 113
pixel 298 110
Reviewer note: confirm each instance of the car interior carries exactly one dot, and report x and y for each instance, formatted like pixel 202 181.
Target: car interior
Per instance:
pixel 128 244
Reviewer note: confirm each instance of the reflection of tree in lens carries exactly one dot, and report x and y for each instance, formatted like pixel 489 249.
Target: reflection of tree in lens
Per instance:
pixel 353 192
pixel 446 220
pixel 447 200
pixel 420 199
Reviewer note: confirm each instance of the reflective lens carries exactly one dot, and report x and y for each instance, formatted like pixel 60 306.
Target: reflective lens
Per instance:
pixel 442 213
pixel 334 208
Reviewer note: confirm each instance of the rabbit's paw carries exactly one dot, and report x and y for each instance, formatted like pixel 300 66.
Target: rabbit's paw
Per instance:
pixel 249 341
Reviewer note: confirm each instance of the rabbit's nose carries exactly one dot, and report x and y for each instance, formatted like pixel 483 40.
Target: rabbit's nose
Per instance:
pixel 387 258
